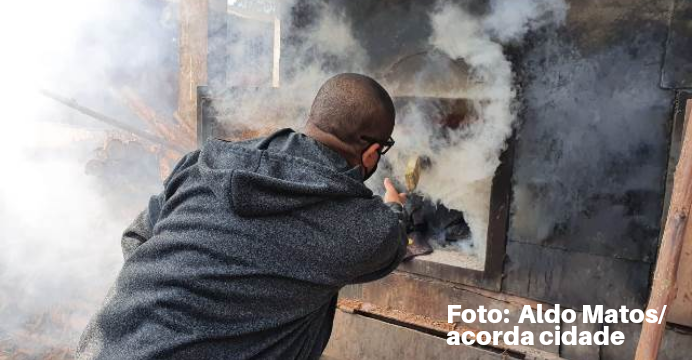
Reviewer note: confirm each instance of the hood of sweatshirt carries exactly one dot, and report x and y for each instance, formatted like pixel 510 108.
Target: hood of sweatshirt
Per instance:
pixel 281 173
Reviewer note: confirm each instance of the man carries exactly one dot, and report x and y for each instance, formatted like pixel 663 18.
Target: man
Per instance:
pixel 244 252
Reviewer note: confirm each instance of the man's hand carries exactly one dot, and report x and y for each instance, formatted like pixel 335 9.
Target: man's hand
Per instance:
pixel 392 195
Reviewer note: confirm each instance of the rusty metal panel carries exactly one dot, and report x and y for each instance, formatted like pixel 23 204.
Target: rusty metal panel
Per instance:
pixel 357 337
pixel 591 157
pixel 591 152
pixel 574 279
pixel 581 352
pixel 428 297
pixel 351 291
pixel 677 344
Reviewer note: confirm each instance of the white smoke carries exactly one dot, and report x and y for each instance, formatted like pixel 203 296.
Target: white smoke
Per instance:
pixel 60 239
pixel 477 69
pixel 510 21
pixel 51 217
pixel 465 163
pixel 324 47
pixel 60 235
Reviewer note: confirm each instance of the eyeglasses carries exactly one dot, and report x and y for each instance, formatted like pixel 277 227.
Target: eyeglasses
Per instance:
pixel 384 145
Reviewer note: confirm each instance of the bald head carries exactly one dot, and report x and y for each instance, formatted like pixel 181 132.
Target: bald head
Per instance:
pixel 349 107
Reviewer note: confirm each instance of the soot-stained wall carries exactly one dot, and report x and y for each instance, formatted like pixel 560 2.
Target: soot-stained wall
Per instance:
pixel 387 29
pixel 591 148
pixel 591 157
pixel 589 165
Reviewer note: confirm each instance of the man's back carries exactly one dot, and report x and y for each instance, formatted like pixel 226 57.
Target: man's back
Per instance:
pixel 243 254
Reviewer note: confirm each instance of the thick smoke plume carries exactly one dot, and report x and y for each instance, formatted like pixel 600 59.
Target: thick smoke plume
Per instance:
pixel 61 227
pixel 465 160
pixel 320 49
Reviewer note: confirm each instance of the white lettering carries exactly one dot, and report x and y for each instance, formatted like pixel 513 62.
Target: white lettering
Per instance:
pixel 543 336
pixel 527 313
pixel 453 338
pixel 569 316
pixel 495 316
pixel 617 338
pixel 637 316
pixel 483 338
pixel 451 313
pixel 595 317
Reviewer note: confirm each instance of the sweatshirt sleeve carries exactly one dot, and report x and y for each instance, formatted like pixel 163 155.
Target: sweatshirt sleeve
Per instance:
pixel 141 229
pixel 391 252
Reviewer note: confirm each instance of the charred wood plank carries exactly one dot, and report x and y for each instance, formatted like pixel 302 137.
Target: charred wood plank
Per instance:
pixel 71 103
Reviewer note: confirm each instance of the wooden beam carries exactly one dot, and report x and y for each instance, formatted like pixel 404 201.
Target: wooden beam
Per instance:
pixel 193 50
pixel 113 122
pixel 664 287
pixel 358 337
pixel 168 129
pixel 681 308
pixel 276 58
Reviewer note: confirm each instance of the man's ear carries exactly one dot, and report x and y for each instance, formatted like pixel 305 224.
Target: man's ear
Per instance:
pixel 371 156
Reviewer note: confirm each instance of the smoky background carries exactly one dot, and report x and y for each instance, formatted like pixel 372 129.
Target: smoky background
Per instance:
pixel 70 184
pixel 463 57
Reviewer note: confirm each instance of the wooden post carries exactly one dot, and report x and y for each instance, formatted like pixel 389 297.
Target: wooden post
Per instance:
pixel 276 51
pixel 663 289
pixel 193 49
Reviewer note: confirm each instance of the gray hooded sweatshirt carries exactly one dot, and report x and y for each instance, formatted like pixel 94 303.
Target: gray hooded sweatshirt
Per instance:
pixel 243 253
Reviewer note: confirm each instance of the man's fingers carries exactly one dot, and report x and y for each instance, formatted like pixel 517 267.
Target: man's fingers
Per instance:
pixel 392 194
pixel 389 186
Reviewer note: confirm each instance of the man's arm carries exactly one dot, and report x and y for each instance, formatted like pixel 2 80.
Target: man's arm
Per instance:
pixel 388 257
pixel 141 229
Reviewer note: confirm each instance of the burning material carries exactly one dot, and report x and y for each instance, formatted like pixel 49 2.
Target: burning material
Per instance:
pixel 468 64
pixel 413 170
pixel 435 227
pixel 173 138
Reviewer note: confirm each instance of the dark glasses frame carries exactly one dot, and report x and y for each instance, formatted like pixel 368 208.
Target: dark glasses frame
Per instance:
pixel 385 145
